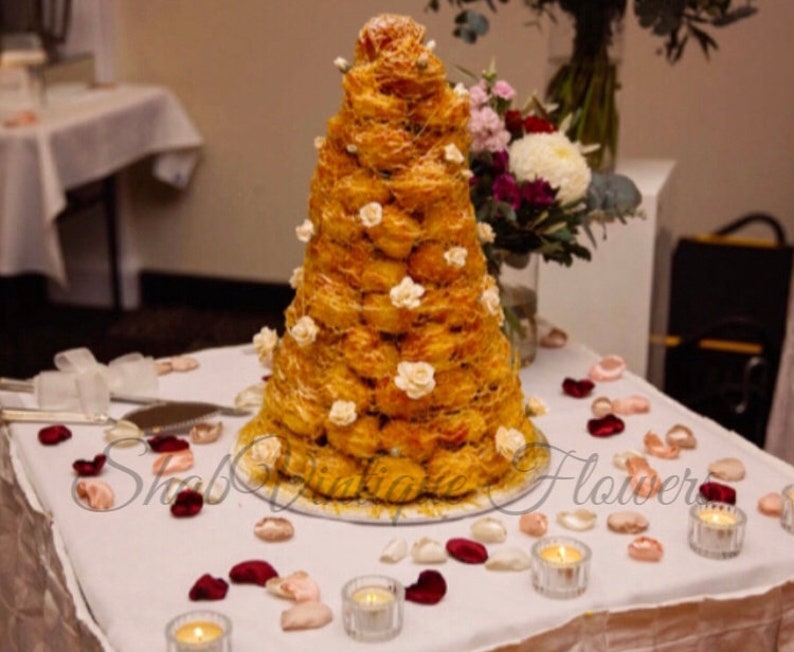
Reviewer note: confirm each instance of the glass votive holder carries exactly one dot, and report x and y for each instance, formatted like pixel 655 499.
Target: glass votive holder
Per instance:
pixel 199 631
pixel 560 567
pixel 787 513
pixel 716 530
pixel 372 607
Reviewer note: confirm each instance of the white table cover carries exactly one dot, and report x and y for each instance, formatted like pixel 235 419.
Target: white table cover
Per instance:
pixel 135 565
pixel 82 136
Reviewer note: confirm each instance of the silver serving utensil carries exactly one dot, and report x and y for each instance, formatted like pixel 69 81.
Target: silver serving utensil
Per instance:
pixel 18 385
pixel 162 418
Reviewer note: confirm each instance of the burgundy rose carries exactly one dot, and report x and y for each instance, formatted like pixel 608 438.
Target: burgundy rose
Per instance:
pixel 514 123
pixel 577 388
pixel 538 193
pixel 85 468
pixel 467 551
pixel 718 493
pixel 428 589
pixel 51 435
pixel 167 444
pixel 252 572
pixel 188 502
pixel 535 125
pixel 606 426
pixel 208 587
pixel 507 190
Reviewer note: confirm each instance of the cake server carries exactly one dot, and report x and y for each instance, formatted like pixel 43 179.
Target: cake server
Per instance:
pixel 161 418
pixel 17 385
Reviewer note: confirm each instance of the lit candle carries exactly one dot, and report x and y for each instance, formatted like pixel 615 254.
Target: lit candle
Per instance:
pixel 372 608
pixel 560 567
pixel 201 631
pixel 716 530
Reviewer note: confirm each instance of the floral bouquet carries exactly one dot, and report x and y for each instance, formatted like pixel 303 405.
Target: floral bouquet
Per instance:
pixel 531 185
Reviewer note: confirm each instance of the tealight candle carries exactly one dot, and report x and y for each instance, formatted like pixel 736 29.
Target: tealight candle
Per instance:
pixel 372 607
pixel 787 514
pixel 716 530
pixel 199 631
pixel 560 567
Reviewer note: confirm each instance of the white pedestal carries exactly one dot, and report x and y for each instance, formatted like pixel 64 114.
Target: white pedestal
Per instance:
pixel 606 303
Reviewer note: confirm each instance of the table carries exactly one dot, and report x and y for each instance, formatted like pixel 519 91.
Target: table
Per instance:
pixel 135 565
pixel 82 135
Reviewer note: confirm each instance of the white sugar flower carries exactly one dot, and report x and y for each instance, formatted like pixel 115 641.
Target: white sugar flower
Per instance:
pixel 265 342
pixel 371 214
pixel 508 442
pixel 415 378
pixel 461 90
pixel 452 154
pixel 490 299
pixel 406 294
pixel 304 331
pixel 319 141
pixel 305 231
pixel 342 413
pixel 553 158
pixel 456 256
pixel 431 45
pixel 296 280
pixel 342 64
pixel 485 233
pixel 266 449
pixel 535 407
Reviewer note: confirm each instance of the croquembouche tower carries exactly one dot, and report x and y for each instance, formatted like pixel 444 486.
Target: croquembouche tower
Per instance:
pixel 393 381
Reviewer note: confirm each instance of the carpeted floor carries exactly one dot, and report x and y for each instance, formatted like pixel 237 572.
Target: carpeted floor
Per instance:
pixel 33 330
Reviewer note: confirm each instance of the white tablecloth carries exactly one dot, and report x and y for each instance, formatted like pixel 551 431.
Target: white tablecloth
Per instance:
pixel 82 136
pixel 135 565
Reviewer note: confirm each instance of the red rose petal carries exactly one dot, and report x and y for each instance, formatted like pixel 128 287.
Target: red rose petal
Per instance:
pixel 252 572
pixel 718 493
pixel 467 551
pixel 428 589
pixel 208 587
pixel 167 444
pixel 188 503
pixel 606 426
pixel 85 468
pixel 577 388
pixel 52 435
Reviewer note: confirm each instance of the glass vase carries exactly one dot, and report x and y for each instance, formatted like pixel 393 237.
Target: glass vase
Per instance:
pixel 518 290
pixel 585 50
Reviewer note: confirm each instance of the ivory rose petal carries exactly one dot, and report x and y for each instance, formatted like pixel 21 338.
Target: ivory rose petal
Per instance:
pixel 508 442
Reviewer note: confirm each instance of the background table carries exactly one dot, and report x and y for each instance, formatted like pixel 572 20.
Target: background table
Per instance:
pixel 82 135
pixel 135 565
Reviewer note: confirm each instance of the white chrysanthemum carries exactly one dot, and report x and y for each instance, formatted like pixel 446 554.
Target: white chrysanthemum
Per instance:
pixel 343 413
pixel 553 158
pixel 535 407
pixel 485 233
pixel 266 450
pixel 371 214
pixel 508 442
pixel 456 256
pixel 304 331
pixel 416 379
pixel 406 294
pixel 296 280
pixel 265 342
pixel 305 231
pixel 452 154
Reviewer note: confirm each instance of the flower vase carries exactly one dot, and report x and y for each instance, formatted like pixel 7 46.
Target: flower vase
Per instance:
pixel 585 49
pixel 518 289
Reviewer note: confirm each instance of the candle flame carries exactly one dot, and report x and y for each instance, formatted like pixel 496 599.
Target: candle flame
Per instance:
pixel 199 634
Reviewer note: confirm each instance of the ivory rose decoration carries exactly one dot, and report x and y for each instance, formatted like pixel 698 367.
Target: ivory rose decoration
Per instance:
pixel 305 331
pixel 406 294
pixel 342 413
pixel 265 342
pixel 416 379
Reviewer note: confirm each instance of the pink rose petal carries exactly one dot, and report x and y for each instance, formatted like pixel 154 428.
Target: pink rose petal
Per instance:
pixel 95 493
pixel 168 463
pixel 610 367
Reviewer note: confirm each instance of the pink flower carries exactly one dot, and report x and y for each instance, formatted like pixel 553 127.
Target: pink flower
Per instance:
pixel 487 131
pixel 504 90
pixel 478 96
